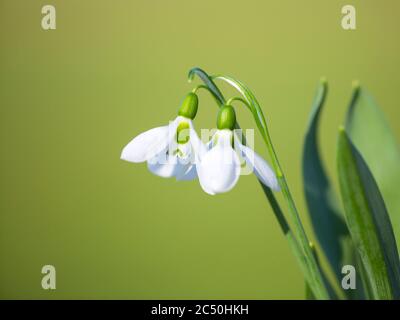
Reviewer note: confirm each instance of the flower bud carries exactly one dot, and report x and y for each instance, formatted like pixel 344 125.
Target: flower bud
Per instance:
pixel 189 106
pixel 226 118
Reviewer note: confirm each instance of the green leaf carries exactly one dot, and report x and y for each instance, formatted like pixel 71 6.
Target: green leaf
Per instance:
pixel 328 223
pixel 368 221
pixel 362 279
pixel 309 293
pixel 370 133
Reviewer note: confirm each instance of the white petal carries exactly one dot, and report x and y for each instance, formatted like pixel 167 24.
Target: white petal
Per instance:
pixel 194 150
pixel 149 143
pixel 184 150
pixel 198 146
pixel 219 168
pixel 261 168
pixel 146 145
pixel 189 174
pixel 165 166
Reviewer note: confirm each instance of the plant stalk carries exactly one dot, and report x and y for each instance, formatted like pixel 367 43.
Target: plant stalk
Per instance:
pixel 301 249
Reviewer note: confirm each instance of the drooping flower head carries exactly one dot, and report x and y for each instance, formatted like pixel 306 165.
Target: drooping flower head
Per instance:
pixel 169 150
pixel 220 167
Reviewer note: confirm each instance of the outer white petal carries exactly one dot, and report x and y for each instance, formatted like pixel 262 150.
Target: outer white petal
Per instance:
pixel 200 150
pixel 146 145
pixel 150 143
pixel 198 147
pixel 166 166
pixel 165 170
pixel 261 168
pixel 203 182
pixel 219 168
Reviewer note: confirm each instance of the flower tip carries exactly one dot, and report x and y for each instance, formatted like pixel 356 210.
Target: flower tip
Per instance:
pixel 209 192
pixel 191 74
pixel 275 185
pixel 124 155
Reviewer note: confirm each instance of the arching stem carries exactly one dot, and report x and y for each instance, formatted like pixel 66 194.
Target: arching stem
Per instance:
pixel 230 100
pixel 314 277
pixel 301 250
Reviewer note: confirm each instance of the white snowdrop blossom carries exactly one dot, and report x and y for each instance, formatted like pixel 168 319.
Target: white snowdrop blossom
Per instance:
pixel 220 167
pixel 169 150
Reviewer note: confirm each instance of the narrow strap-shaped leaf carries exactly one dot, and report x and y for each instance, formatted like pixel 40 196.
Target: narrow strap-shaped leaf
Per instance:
pixel 327 222
pixel 362 279
pixel 368 221
pixel 371 134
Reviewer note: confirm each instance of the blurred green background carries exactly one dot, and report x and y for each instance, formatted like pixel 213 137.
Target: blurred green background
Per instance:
pixel 71 98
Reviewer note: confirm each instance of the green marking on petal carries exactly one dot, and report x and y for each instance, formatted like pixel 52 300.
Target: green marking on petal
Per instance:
pixel 182 133
pixel 214 140
pixel 178 152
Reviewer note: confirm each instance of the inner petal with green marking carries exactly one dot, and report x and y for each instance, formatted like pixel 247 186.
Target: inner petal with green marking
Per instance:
pixel 183 133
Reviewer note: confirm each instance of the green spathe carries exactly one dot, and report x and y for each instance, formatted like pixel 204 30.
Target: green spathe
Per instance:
pixel 189 106
pixel 226 118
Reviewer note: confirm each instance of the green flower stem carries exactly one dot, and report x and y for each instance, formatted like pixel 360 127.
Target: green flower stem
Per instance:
pixel 292 207
pixel 230 100
pixel 287 231
pixel 315 278
pixel 302 250
pixel 202 86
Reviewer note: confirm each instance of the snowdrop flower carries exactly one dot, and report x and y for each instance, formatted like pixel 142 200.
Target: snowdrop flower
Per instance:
pixel 219 168
pixel 169 150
